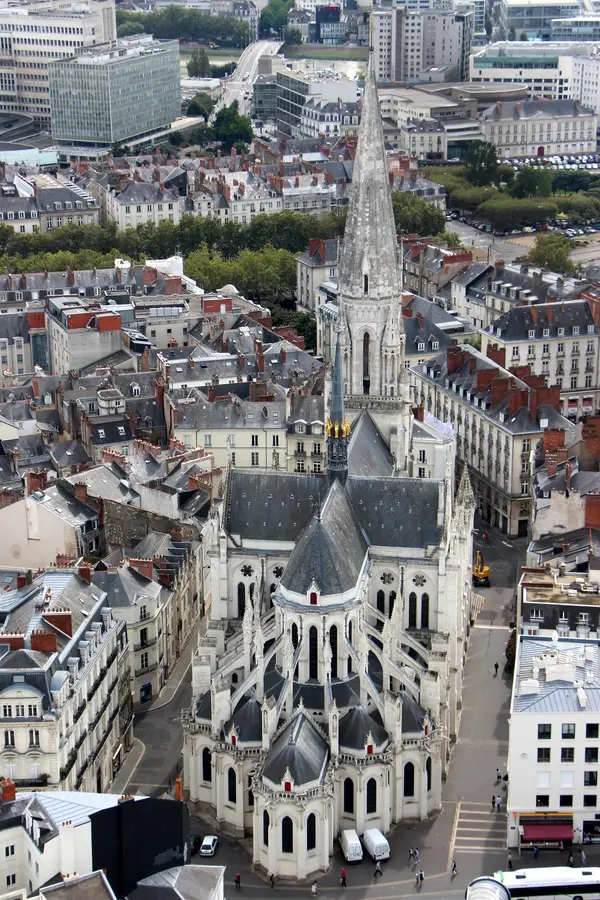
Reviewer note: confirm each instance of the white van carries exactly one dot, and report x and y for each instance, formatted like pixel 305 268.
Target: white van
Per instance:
pixel 351 846
pixel 375 844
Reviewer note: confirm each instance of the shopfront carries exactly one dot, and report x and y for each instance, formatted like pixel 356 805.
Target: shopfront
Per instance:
pixel 546 831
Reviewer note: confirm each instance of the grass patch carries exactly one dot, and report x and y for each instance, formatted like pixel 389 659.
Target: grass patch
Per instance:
pixel 320 51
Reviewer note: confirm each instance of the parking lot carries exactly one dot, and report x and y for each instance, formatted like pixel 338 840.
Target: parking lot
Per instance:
pixel 588 163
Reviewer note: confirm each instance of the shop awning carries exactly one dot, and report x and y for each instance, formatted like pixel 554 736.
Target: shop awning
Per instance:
pixel 548 832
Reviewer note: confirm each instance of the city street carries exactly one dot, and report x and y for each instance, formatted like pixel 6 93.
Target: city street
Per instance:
pixel 240 82
pixel 499 248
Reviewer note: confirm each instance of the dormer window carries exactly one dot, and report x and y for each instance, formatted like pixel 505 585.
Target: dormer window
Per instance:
pixel 300 428
pixel 420 347
pixel 369 749
pixel 233 740
pixel 532 332
pixel 546 332
pixel 575 329
pixel 590 329
pixel 287 787
pixel 435 345
pixel 561 332
pixel 313 597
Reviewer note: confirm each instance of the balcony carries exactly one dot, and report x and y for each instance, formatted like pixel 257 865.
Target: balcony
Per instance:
pixel 146 670
pixel 298 452
pixel 79 712
pixel 149 642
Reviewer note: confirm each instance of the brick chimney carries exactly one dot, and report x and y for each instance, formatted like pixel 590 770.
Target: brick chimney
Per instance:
pixel 455 358
pixel 144 567
pixel 35 480
pixel 81 492
pixel 485 378
pixel 44 641
pixel 8 790
pixel 85 573
pixel 497 354
pixel 552 439
pixel 517 399
pixel 500 388
pixel 60 619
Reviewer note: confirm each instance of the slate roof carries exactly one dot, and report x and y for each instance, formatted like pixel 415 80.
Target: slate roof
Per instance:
pixel 105 481
pixel 326 252
pixel 146 192
pixel 125 587
pixel 368 453
pixel 191 882
pixel 528 109
pixel 396 512
pixel 68 453
pixel 105 430
pixel 356 726
pixel 58 500
pixel 526 323
pixel 307 408
pixel 331 550
pixel 247 719
pixel 560 695
pixel 413 714
pixel 299 747
pixel 204 707
pixel 272 506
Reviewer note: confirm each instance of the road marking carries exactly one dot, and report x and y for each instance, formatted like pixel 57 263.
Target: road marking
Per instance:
pixel 494 627
pixel 453 838
pixel 479 850
pixel 506 544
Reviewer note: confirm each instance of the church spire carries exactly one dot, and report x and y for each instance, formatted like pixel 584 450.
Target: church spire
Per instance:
pixel 368 260
pixel 337 427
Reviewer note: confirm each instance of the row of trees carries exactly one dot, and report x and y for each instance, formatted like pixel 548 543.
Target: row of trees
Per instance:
pixel 178 22
pixel 273 18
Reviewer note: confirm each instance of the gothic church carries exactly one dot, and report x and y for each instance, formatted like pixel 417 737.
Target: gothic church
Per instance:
pixel 328 686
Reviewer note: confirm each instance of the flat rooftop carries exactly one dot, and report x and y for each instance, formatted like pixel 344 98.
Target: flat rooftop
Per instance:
pixel 543 586
pixel 119 51
pixel 556 675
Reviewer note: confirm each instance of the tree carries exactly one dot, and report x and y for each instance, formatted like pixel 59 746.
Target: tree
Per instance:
pixel 273 18
pixel 129 29
pixel 202 135
pixel 508 212
pixel 522 36
pixel 201 105
pixel 176 138
pixel 198 65
pixel 481 164
pixel 292 36
pixel 511 652
pixel 231 128
pixel 471 198
pixel 413 215
pixel 512 35
pixel 488 26
pixel 552 251
pixel 531 182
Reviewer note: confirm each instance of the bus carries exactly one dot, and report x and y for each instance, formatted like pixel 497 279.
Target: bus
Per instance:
pixel 560 882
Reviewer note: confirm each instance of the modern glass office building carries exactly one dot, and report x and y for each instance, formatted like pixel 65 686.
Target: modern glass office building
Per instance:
pixel 115 92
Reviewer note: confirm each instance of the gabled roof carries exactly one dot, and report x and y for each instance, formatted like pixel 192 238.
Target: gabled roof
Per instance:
pixel 368 453
pixel 300 748
pixel 247 719
pixel 356 726
pixel 331 551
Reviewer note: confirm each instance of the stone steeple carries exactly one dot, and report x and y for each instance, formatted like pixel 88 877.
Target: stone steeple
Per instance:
pixel 369 275
pixel 337 426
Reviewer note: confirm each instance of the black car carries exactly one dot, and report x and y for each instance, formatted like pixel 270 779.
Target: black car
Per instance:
pixel 195 842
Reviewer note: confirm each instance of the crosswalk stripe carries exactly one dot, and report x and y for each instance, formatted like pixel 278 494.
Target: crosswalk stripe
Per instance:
pixel 479 850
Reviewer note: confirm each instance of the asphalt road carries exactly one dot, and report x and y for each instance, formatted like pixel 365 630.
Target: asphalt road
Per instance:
pixel 499 248
pixel 238 85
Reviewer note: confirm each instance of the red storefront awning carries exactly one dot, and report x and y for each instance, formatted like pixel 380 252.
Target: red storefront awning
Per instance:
pixel 548 832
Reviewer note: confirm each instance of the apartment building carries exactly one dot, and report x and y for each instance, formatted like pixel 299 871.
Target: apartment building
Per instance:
pixel 545 67
pixel 328 118
pixel 540 127
pixel 484 292
pixel 498 417
pixel 533 17
pixel 558 601
pixel 40 203
pixel 143 73
pixel 35 34
pixel 65 717
pixel 576 28
pixel 295 87
pixel 317 264
pixel 553 788
pixel 559 340
pixel 437 139
pixel 136 203
pixel 407 42
pixel 80 333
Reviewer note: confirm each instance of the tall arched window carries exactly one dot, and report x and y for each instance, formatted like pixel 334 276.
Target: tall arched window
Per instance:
pixel 266 824
pixel 428 772
pixel 371 796
pixel 412 610
pixel 241 599
pixel 381 601
pixel 392 601
pixel 311 832
pixel 350 631
pixel 349 796
pixel 366 363
pixel 333 642
pixel 287 835
pixel 425 611
pixel 409 780
pixel 231 786
pixel 313 653
pixel 206 765
pixel 294 635
pixel 250 792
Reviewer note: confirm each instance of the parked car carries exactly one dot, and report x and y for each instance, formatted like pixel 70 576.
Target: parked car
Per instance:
pixel 209 845
pixel 195 842
pixel 376 844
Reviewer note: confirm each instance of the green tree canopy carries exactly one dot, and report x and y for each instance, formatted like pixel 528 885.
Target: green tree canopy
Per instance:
pixel 508 212
pixel 231 128
pixel 471 198
pixel 292 36
pixel 273 18
pixel 512 34
pixel 413 215
pixel 177 22
pixel 531 182
pixel 552 251
pixel 198 65
pixel 201 105
pixel 481 165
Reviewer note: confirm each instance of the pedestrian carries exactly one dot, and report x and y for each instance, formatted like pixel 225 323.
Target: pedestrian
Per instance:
pixel 583 858
pixel 486 537
pixel 498 776
pixel 509 862
pixel 498 802
pixel 493 802
pixel 378 873
pixel 535 852
pixel 454 869
pixel 417 879
pixel 343 878
pixel 313 889
pixel 272 880
pixel 496 667
pixel 411 854
pixel 417 855
pixel 570 860
pixel 421 876
pixel 238 882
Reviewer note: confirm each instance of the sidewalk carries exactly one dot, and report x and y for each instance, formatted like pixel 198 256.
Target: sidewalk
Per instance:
pixel 125 773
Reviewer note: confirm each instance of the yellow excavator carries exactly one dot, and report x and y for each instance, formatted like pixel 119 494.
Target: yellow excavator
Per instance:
pixel 481 572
